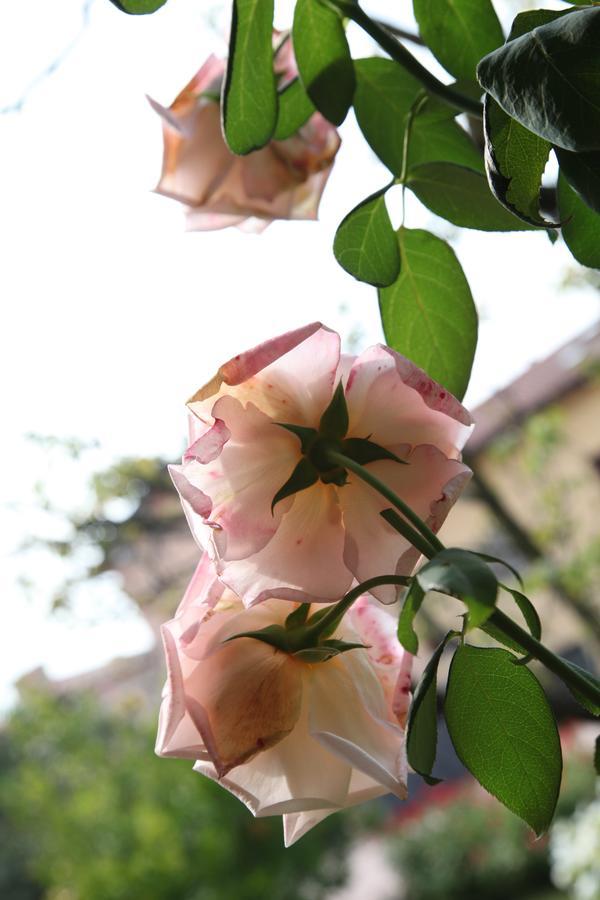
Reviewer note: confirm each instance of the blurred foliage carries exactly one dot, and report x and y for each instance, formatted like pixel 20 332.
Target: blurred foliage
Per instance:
pixel 87 812
pixel 475 849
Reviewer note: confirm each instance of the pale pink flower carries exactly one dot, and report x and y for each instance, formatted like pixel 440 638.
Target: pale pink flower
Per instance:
pixel 286 737
pixel 283 180
pixel 315 543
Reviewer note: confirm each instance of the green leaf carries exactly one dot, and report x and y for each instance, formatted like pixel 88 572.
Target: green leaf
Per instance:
pixel 411 606
pixel 365 244
pixel 581 226
pixel 504 732
pixel 582 171
pixel 591 707
pixel 501 562
pixel 421 729
pixel 303 476
pixel 323 58
pixel 295 109
pixel 549 79
pixel 515 161
pixel 385 94
pixel 250 95
pixel 334 421
pixel 364 451
pixel 532 620
pixel 428 314
pixel 138 7
pixel 462 574
pixel 458 32
pixel 597 756
pixel 461 196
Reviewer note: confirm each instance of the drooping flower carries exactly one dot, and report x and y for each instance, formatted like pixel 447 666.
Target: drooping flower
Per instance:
pixel 312 545
pixel 283 180
pixel 286 737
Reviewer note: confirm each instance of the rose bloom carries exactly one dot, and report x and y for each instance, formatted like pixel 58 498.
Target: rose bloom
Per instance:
pixel 284 736
pixel 315 543
pixel 283 180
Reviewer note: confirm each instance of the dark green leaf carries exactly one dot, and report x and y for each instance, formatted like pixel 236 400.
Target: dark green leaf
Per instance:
pixel 364 451
pixel 528 611
pixel 581 226
pixel 334 421
pixel 365 244
pixel 458 32
pixel 250 95
pixel 385 94
pixel 303 476
pixel 462 574
pixel 428 314
pixel 591 707
pixel 138 7
pixel 421 729
pixel 295 108
pixel 323 58
pixel 461 196
pixel 582 171
pixel 597 756
pixel 504 732
pixel 515 160
pixel 549 79
pixel 533 18
pixel 411 606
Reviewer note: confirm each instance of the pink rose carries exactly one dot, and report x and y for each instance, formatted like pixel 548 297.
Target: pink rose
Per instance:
pixel 283 180
pixel 313 544
pixel 286 737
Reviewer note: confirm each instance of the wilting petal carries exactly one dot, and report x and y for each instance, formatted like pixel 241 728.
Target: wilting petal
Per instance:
pixel 303 560
pixel 372 546
pixel 289 378
pixel 243 699
pixel 396 402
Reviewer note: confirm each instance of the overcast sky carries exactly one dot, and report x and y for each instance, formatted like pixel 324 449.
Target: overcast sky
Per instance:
pixel 113 315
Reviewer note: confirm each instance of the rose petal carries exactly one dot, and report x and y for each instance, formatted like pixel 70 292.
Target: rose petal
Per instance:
pixel 339 720
pixel 396 402
pixel 303 560
pixel 243 699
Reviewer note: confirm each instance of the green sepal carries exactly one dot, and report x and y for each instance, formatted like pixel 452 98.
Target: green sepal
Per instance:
pixel 461 574
pixel 298 616
pixel 364 451
pixel 326 650
pixel 421 728
pixel 303 476
pixel 335 420
pixel 411 606
pixel 274 635
pixel 307 436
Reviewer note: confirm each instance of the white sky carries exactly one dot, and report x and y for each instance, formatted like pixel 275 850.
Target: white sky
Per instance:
pixel 113 315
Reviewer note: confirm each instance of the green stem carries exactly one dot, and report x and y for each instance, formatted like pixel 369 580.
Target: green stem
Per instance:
pixel 549 659
pixel 335 613
pixel 401 55
pixel 340 459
